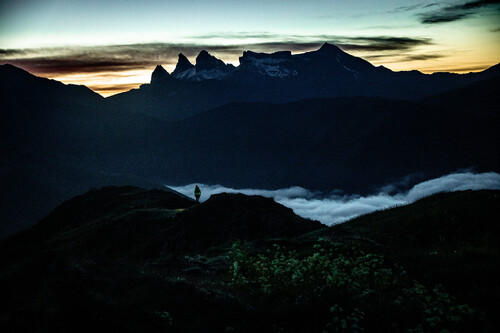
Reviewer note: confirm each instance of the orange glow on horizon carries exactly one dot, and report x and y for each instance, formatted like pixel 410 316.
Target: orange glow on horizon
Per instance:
pixel 105 83
pixel 111 83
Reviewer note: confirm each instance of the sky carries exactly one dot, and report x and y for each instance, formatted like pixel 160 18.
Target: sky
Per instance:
pixel 332 208
pixel 114 45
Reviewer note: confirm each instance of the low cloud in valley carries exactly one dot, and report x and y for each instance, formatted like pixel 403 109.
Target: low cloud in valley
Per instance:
pixel 332 208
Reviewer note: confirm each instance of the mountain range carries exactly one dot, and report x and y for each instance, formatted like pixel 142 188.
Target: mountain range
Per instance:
pixel 280 77
pixel 323 120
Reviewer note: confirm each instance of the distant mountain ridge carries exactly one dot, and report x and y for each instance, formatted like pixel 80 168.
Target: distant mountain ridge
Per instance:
pixel 281 77
pixel 13 80
pixel 246 130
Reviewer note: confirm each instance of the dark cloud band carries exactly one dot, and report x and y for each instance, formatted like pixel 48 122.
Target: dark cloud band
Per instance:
pixel 410 8
pixel 457 12
pixel 119 58
pixel 382 43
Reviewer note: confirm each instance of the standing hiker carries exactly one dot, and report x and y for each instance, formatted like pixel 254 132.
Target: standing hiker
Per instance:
pixel 197 193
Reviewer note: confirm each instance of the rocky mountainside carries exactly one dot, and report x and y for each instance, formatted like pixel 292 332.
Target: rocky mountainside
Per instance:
pixel 282 77
pixel 58 143
pixel 183 65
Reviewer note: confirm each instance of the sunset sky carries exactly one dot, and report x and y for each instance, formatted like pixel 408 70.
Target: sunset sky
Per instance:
pixel 114 45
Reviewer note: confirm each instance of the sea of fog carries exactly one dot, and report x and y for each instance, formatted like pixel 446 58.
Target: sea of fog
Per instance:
pixel 333 208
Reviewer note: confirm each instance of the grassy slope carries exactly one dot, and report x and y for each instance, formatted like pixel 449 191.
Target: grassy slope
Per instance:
pixel 120 259
pixel 451 239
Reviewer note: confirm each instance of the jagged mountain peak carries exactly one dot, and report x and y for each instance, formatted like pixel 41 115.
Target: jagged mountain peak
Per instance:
pixel 280 64
pixel 183 64
pixel 204 53
pixel 183 60
pixel 206 61
pixel 329 59
pixel 159 74
pixel 207 67
pixel 328 64
pixel 327 47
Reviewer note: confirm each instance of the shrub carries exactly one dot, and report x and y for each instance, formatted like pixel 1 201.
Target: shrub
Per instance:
pixel 365 290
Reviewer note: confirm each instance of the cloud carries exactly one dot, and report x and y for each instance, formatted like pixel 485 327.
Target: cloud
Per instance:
pixel 330 208
pixel 110 58
pixel 114 88
pixel 454 182
pixel 413 7
pixel 69 65
pixel 11 52
pixel 280 194
pixel 239 35
pixel 404 57
pixel 106 64
pixel 287 46
pixel 381 43
pixel 461 69
pixel 457 12
pixel 424 56
pixel 119 58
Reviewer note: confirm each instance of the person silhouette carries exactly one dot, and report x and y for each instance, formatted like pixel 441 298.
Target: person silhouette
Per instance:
pixel 197 193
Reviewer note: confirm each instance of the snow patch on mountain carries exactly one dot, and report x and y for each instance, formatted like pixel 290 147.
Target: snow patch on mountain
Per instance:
pixel 278 64
pixel 271 67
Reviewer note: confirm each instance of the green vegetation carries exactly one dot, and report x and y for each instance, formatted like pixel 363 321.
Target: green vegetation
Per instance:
pixel 365 291
pixel 451 239
pixel 130 260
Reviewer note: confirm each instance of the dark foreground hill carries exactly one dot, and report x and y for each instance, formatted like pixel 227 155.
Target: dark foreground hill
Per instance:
pixel 123 242
pixel 448 238
pixel 133 260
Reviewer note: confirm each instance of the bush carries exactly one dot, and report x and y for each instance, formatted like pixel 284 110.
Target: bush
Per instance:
pixel 365 291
